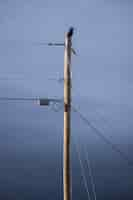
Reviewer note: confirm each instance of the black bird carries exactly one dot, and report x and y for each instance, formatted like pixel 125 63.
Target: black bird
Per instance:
pixel 70 32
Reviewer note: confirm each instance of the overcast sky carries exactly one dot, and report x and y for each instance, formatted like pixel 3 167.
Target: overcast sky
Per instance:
pixel 101 71
pixel 103 41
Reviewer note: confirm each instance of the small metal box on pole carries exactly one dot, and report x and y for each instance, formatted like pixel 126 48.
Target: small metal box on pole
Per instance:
pixel 44 102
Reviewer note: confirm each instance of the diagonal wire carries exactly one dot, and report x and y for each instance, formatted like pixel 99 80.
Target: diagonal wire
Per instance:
pixel 91 175
pixel 82 169
pixel 114 147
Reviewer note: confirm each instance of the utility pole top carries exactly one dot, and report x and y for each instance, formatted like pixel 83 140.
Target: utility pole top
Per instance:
pixel 70 32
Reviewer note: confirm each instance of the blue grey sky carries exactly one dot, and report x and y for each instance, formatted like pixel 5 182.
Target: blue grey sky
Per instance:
pixel 103 41
pixel 102 90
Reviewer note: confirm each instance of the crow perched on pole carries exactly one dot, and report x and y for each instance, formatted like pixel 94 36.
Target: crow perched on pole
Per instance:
pixel 70 32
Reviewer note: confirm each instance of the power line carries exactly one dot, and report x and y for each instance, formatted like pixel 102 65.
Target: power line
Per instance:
pixel 90 171
pixel 96 131
pixel 105 139
pixel 26 78
pixel 28 99
pixel 24 42
pixel 18 99
pixel 90 174
pixel 82 170
pixel 49 44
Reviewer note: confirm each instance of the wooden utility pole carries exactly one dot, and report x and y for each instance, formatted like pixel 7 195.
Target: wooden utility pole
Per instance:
pixel 67 115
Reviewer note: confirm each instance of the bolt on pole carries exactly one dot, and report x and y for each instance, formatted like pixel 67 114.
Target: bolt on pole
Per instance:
pixel 67 115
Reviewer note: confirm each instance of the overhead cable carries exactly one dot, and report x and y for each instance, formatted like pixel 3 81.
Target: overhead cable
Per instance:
pixel 114 147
